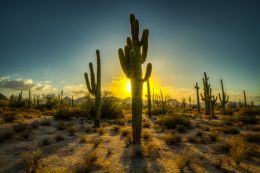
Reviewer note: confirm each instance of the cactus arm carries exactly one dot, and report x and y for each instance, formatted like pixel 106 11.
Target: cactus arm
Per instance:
pixel 123 61
pixel 88 84
pixel 144 42
pixel 148 72
pixel 227 99
pixel 92 77
pixel 98 71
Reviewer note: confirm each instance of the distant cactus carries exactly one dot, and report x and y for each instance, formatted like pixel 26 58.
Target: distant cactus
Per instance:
pixel 94 87
pixel 131 60
pixel 245 103
pixel 190 100
pixel 161 101
pixel 11 102
pixel 183 103
pixel 149 103
pixel 206 97
pixel 224 99
pixel 72 101
pixel 198 96
pixel 29 99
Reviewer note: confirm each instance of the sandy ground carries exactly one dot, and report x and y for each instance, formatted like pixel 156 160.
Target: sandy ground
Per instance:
pixel 113 154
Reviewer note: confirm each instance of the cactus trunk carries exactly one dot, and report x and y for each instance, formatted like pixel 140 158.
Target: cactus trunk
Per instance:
pixel 198 96
pixel 245 98
pixel 224 99
pixel 149 103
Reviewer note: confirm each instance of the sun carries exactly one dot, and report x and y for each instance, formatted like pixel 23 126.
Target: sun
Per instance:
pixel 128 86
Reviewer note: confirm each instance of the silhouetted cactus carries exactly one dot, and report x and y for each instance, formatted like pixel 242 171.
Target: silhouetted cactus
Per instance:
pixel 11 102
pixel 224 99
pixel 72 101
pixel 131 60
pixel 149 103
pixel 94 87
pixel 198 96
pixel 206 98
pixel 245 103
pixel 190 100
pixel 29 99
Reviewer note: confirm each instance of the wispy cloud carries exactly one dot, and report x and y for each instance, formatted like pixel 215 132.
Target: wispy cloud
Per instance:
pixel 75 90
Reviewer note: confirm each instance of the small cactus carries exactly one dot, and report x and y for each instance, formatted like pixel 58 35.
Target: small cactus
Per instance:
pixel 206 97
pixel 94 88
pixel 224 99
pixel 29 99
pixel 245 103
pixel 198 96
pixel 213 101
pixel 131 60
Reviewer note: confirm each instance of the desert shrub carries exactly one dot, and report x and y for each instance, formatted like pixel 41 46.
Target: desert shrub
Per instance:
pixel 230 130
pixel 45 122
pixel 5 134
pixel 59 138
pixel 45 141
pixel 115 128
pixel 213 135
pixel 20 127
pixel 128 140
pixel 146 134
pixel 239 149
pixel 96 142
pixel 63 114
pixel 199 133
pixel 61 125
pixel 251 136
pixel 89 163
pixel 191 138
pixel 171 138
pixel 181 128
pixel 249 119
pixel 218 162
pixel 255 128
pixel 184 158
pixel 146 124
pixel 35 124
pixel 120 122
pixel 9 117
pixel 111 107
pixel 151 148
pixel 25 134
pixel 230 120
pixel 170 121
pixel 100 131
pixel 71 130
pixel 32 160
pixel 126 131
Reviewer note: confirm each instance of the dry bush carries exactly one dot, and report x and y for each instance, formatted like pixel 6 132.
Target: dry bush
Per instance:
pixel 96 141
pixel 239 149
pixel 199 133
pixel 45 122
pixel 9 117
pixel 230 130
pixel 88 129
pixel 100 131
pixel 192 138
pixel 128 140
pixel 171 121
pixel 71 129
pixel 184 158
pixel 25 134
pixel 89 163
pixel 32 160
pixel 45 141
pixel 146 134
pixel 20 127
pixel 35 124
pixel 5 134
pixel 218 162
pixel 251 136
pixel 255 128
pixel 59 138
pixel 146 124
pixel 213 135
pixel 115 128
pixel 126 131
pixel 61 125
pixel 171 138
pixel 181 128
pixel 151 148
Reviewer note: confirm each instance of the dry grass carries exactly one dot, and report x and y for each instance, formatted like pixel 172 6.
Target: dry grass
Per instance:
pixel 184 158
pixel 115 128
pixel 128 140
pixel 5 134
pixel 32 160
pixel 100 131
pixel 171 138
pixel 20 127
pixel 89 163
pixel 239 149
pixel 213 135
pixel 146 134
pixel 126 131
pixel 45 141
pixel 61 125
pixel 59 138
pixel 252 136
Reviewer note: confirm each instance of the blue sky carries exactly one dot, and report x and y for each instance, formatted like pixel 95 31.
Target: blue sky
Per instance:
pixel 49 43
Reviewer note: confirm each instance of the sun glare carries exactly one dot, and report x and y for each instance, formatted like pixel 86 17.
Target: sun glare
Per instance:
pixel 128 86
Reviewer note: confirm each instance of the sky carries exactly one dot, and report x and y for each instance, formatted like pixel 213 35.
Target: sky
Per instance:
pixel 46 45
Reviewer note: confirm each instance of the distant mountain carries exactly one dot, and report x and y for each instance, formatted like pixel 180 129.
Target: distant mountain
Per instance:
pixel 173 102
pixel 3 97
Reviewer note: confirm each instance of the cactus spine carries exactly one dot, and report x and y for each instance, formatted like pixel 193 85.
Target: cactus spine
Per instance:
pixel 149 103
pixel 245 98
pixel 94 88
pixel 198 96
pixel 224 99
pixel 206 98
pixel 131 60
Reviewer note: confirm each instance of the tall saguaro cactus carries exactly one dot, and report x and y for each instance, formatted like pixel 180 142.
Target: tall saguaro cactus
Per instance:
pixel 149 102
pixel 206 98
pixel 94 88
pixel 131 60
pixel 198 96
pixel 213 101
pixel 224 99
pixel 29 99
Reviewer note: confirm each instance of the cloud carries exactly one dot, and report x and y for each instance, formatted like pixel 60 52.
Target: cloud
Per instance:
pixel 16 84
pixel 75 90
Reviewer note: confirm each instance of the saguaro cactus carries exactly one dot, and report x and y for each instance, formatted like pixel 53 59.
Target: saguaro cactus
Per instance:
pixel 149 103
pixel 245 98
pixel 198 96
pixel 29 99
pixel 206 98
pixel 213 101
pixel 94 88
pixel 131 60
pixel 224 99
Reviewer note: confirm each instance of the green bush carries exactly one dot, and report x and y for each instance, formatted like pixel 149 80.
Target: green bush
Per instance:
pixel 112 107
